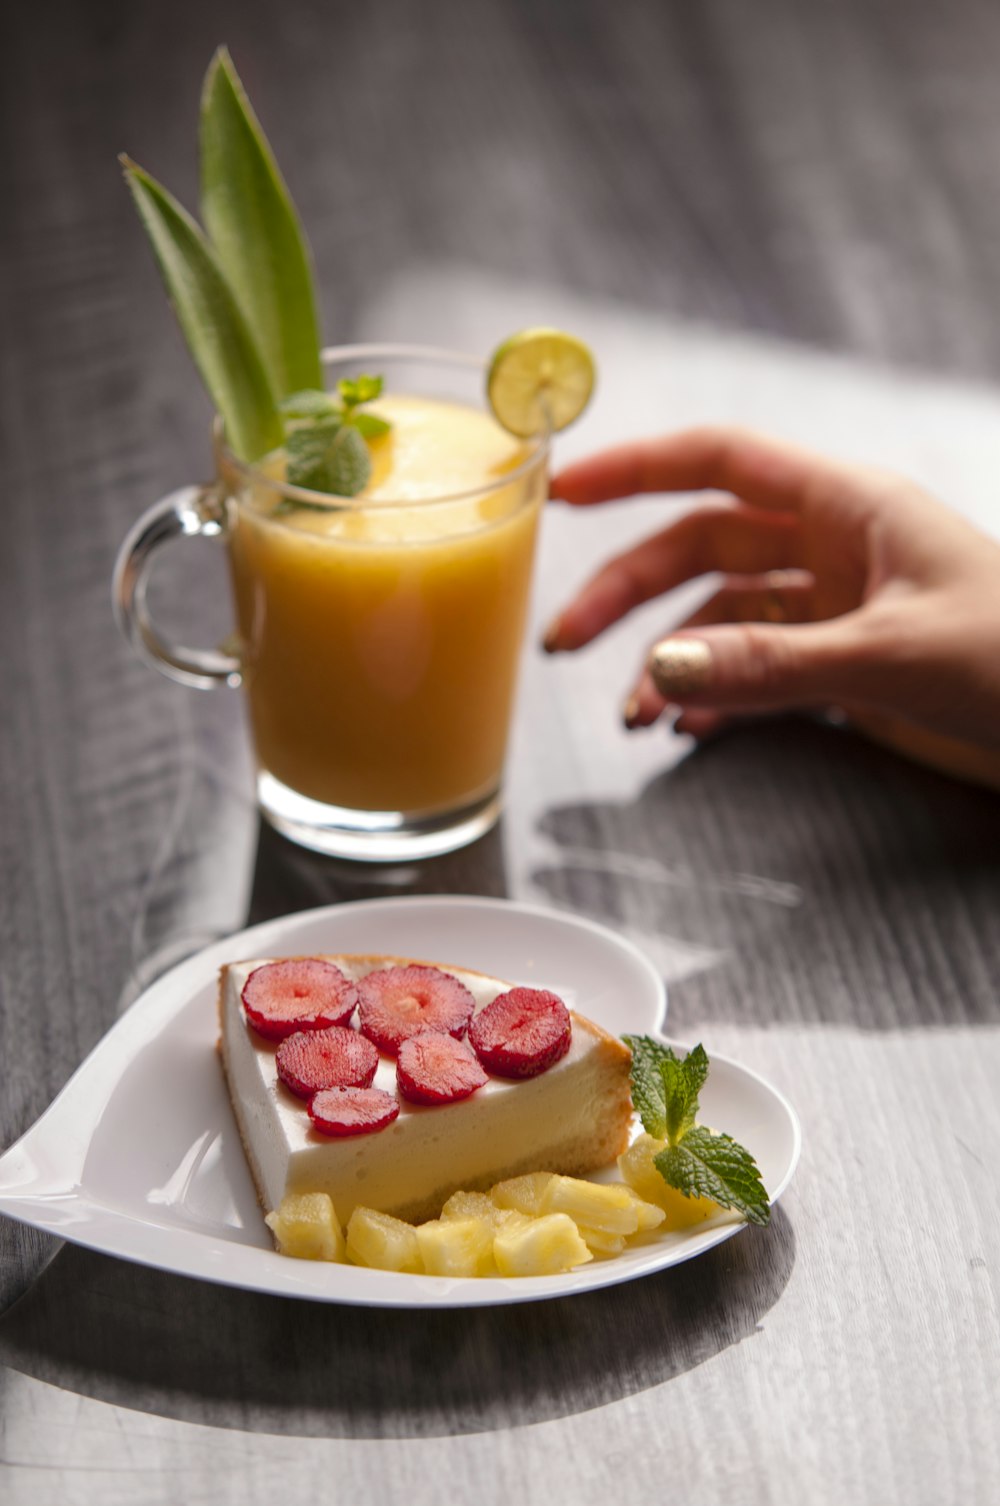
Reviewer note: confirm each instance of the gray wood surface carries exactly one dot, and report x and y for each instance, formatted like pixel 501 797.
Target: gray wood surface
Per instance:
pixel 704 190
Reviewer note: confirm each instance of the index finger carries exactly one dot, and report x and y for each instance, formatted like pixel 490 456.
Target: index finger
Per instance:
pixel 762 471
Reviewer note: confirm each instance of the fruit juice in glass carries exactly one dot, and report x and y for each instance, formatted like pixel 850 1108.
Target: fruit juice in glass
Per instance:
pixel 381 634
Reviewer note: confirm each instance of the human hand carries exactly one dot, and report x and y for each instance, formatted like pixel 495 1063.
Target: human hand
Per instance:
pixel 844 586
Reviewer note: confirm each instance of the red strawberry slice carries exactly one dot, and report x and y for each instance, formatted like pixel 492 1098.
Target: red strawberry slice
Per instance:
pixel 311 1060
pixel 352 1111
pixel 299 993
pixel 436 1068
pixel 521 1032
pixel 395 1003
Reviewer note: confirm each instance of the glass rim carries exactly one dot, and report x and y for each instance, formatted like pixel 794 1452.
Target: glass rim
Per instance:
pixel 539 443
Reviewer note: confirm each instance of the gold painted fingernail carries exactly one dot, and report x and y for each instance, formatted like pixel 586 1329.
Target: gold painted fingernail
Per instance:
pixel 550 641
pixel 630 712
pixel 680 665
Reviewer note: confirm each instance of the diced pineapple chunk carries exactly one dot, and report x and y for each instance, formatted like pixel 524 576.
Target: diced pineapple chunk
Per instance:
pixel 469 1205
pixel 610 1208
pixel 476 1205
pixel 307 1228
pixel 650 1215
pixel 523 1194
pixel 383 1242
pixel 682 1211
pixel 456 1246
pixel 540 1246
pixel 636 1166
pixel 600 1243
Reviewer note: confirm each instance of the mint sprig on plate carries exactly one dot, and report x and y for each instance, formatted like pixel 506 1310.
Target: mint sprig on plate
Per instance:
pixel 695 1160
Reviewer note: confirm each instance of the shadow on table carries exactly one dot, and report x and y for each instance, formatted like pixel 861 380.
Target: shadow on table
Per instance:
pixel 183 1349
pixel 837 881
pixel 288 878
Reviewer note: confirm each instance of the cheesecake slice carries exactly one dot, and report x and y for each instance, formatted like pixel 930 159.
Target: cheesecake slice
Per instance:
pixel 572 1118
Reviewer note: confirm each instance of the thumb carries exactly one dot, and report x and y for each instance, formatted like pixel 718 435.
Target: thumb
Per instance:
pixel 751 666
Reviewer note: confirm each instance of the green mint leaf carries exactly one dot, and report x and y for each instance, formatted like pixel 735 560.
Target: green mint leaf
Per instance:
pixel 328 456
pixel 680 1104
pixel 696 1067
pixel 360 389
pixel 251 220
pixel 664 1088
pixel 716 1167
pixel 218 336
pixel 370 425
pixel 309 404
pixel 350 464
pixel 648 1095
pixel 682 1083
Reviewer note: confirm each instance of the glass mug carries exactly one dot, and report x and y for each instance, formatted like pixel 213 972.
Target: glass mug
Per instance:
pixel 379 642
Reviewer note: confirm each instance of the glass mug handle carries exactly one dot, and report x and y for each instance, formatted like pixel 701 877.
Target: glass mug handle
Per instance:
pixel 190 513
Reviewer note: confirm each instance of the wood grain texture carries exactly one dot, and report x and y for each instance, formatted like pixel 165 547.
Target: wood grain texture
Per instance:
pixel 824 912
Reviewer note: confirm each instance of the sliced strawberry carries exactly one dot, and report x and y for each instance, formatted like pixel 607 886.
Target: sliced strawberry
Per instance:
pixel 311 1060
pixel 521 1032
pixel 299 993
pixel 436 1068
pixel 395 1003
pixel 352 1111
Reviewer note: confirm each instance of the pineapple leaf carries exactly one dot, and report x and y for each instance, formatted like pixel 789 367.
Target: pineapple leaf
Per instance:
pixel 252 222
pixel 217 334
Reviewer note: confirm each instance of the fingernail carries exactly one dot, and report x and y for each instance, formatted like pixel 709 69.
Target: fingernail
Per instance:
pixel 680 665
pixel 630 712
pixel 550 641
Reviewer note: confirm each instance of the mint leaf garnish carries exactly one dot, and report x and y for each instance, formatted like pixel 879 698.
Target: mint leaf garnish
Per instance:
pixel 698 1163
pixel 715 1166
pixel 357 390
pixel 328 456
pixel 325 437
pixel 648 1091
pixel 682 1082
pixel 349 465
pixel 309 404
pixel 370 425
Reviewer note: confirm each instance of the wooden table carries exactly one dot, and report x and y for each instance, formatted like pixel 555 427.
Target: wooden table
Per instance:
pixel 705 192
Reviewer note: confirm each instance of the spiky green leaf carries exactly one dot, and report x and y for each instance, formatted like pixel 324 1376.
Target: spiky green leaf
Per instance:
pixel 252 222
pixel 218 336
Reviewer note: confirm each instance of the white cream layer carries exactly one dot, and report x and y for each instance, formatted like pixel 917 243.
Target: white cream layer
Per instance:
pixel 427 1152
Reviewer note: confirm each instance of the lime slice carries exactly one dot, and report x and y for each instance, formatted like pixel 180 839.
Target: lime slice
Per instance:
pixel 538 379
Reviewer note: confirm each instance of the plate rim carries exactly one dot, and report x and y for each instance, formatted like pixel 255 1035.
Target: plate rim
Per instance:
pixel 173 990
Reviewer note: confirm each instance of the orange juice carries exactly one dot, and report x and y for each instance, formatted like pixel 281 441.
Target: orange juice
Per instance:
pixel 381 637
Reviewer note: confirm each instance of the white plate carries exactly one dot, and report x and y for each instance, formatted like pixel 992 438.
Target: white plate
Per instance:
pixel 139 1156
